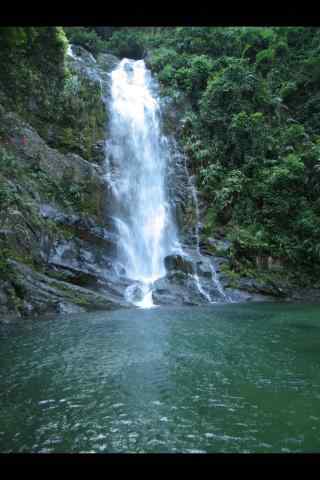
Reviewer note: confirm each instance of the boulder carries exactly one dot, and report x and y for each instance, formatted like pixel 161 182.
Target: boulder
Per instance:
pixel 177 288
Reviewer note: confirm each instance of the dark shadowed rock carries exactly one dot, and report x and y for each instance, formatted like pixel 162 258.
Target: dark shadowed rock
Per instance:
pixel 98 152
pixel 177 288
pixel 203 268
pixel 82 54
pixel 107 62
pixel 254 286
pixel 84 227
pixel 178 262
pixel 237 295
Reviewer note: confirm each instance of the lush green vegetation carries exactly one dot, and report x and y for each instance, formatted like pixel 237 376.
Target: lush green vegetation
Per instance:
pixel 122 42
pixel 36 82
pixel 33 63
pixel 250 126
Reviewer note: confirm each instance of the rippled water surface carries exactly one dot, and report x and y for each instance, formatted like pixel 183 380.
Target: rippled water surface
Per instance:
pixel 228 378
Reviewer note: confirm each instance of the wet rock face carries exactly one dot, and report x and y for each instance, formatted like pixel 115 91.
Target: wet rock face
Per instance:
pixel 83 55
pixel 77 262
pixel 85 258
pixel 54 238
pixel 43 294
pixel 203 269
pixel 178 262
pixel 98 152
pixel 181 287
pixel 4 300
pixel 176 289
pixel 107 62
pixel 254 286
pixel 84 227
pixel 33 156
pixel 181 284
pixel 95 69
pixel 240 296
pixel 180 193
pixel 135 293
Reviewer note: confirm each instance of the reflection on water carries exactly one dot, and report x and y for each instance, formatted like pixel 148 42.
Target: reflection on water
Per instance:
pixel 228 378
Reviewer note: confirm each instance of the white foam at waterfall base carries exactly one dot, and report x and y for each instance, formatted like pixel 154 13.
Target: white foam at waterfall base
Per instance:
pixel 147 301
pixel 137 156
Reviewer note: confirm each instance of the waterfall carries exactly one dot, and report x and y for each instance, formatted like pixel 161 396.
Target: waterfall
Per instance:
pixel 137 158
pixel 214 275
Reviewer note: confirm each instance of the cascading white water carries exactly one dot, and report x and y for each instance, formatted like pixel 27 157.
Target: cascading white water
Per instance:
pixel 196 277
pixel 138 155
pixel 213 271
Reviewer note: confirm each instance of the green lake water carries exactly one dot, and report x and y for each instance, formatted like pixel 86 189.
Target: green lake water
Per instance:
pixel 224 378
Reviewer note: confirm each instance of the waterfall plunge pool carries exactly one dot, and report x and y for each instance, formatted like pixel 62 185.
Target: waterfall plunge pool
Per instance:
pixel 222 378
